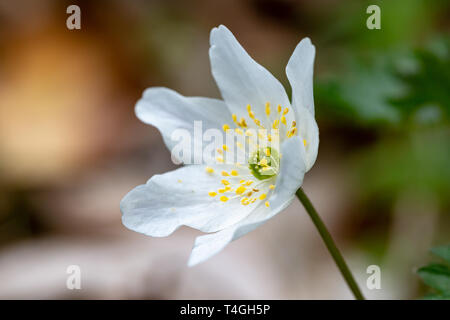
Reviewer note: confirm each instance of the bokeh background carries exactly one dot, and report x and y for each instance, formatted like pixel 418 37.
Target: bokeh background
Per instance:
pixel 71 146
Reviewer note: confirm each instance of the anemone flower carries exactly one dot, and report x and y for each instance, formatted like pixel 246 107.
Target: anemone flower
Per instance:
pixel 227 199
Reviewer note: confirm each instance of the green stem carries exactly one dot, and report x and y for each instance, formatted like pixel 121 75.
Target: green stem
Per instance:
pixel 326 237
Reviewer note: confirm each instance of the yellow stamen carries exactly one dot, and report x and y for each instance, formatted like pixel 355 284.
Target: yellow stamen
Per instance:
pixel 283 120
pixel 225 182
pixel 292 132
pixel 224 198
pixel 271 187
pixel 286 110
pixel 276 123
pixel 225 127
pixel 267 151
pixel 234 117
pixel 279 108
pixel 234 173
pixel 222 190
pixel 238 131
pixel 304 142
pixel 244 201
pixel 263 162
pixel 224 173
pixel 294 123
pixel 248 182
pixel 267 108
pixel 240 190
pixel 225 147
pixel 262 197
pixel 248 133
pixel 209 169
pixel 212 194
pixel 219 159
pixel 267 204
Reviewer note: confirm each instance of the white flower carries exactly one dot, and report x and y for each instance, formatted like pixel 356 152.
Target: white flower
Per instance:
pixel 223 199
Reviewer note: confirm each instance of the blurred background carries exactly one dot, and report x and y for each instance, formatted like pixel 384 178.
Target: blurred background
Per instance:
pixel 71 146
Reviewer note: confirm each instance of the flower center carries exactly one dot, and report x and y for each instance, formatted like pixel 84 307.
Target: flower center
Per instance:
pixel 263 159
pixel 264 163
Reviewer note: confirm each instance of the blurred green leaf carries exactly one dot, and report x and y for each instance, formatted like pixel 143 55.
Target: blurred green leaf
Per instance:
pixel 437 276
pixel 429 83
pixel 443 252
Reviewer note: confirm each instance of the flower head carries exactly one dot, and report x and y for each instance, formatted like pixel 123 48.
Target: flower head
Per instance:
pixel 224 197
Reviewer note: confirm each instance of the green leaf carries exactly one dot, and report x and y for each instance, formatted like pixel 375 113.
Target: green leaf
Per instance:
pixel 443 252
pixel 436 276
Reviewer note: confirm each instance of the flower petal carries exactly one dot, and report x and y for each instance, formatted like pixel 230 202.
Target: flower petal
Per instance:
pixel 290 179
pixel 299 71
pixel 241 79
pixel 309 131
pixel 180 197
pixel 169 111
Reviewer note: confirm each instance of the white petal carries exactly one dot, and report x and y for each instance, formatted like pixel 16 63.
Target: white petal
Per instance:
pixel 289 180
pixel 180 197
pixel 240 79
pixel 299 71
pixel 169 111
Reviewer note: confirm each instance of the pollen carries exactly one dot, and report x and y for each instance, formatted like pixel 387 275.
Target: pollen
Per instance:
pixel 304 142
pixel 234 117
pixel 224 198
pixel 225 127
pixel 240 190
pixel 276 123
pixel 286 110
pixel 222 190
pixel 292 132
pixel 271 187
pixel 219 159
pixel 251 114
pixel 224 173
pixel 209 169
pixel 279 108
pixel 249 108
pixel 267 108
pixel 248 182
pixel 283 120
pixel 262 197
pixel 238 131
pixel 225 182
pixel 212 194
pixel 267 204
pixel 267 151
pixel 225 147
pixel 234 173
pixel 244 201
